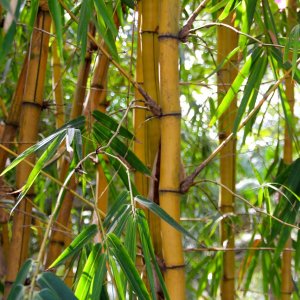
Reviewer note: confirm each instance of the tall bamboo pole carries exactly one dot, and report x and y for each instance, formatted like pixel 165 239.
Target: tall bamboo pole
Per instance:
pixel 169 186
pixel 227 41
pixel 29 127
pixel 286 271
pixel 59 237
pixel 141 181
pixel 57 86
pixel 150 59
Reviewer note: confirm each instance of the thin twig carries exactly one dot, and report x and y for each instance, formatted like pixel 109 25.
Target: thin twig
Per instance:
pixel 189 180
pixel 153 106
pixel 259 210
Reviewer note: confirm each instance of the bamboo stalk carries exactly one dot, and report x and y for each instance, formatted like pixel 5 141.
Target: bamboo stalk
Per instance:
pixel 227 41
pixel 150 60
pixel 57 86
pixel 286 269
pixel 29 127
pixel 59 238
pixel 169 187
pixel 139 116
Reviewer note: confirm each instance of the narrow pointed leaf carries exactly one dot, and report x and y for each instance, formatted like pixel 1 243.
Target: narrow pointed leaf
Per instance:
pixel 46 156
pixel 112 124
pixel 56 285
pixel 156 209
pixel 128 267
pixel 46 294
pixel 88 287
pixel 55 11
pixel 85 236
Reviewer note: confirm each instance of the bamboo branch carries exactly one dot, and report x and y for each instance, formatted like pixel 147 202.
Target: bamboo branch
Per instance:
pixel 185 30
pixel 153 106
pixel 189 180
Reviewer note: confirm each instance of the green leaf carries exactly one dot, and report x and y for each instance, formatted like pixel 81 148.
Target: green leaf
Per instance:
pixel 57 286
pixel 294 45
pixel 86 12
pixel 129 3
pixel 46 294
pixel 149 255
pixel 250 93
pixel 46 156
pixel 156 209
pixel 17 290
pixel 107 16
pixel 228 8
pixel 55 11
pixel 77 244
pixel 112 124
pixel 128 266
pixel 121 289
pixel 233 90
pixel 103 135
pixel 89 287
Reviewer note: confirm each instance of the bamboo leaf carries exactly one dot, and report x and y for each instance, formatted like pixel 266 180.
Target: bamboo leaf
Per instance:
pixel 88 287
pixel 83 25
pixel 17 289
pixel 55 11
pixel 57 286
pixel 228 8
pixel 117 278
pixel 46 156
pixel 127 265
pixel 103 135
pixel 77 244
pixel 129 3
pixel 148 249
pixel 107 16
pixel 156 209
pixel 233 90
pixel 111 124
pixel 251 89
pixel 46 294
pixel 294 45
pixel 17 292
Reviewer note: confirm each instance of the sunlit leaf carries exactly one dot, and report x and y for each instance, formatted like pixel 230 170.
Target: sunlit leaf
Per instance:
pixel 76 245
pixel 127 266
pixel 156 209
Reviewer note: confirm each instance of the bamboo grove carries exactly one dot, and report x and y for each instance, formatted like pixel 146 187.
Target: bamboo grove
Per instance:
pixel 149 149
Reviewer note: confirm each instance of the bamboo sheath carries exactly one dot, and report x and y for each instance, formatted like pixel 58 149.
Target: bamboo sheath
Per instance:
pixel 227 41
pixel 170 147
pixel 59 237
pixel 29 128
pixel 286 269
pixel 150 60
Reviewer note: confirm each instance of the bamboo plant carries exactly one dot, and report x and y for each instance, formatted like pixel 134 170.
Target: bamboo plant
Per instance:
pixel 170 148
pixel 29 127
pixel 227 41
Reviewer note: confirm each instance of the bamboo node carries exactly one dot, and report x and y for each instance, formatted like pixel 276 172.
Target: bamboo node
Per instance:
pixel 174 114
pixel 168 36
pixel 169 191
pixel 174 267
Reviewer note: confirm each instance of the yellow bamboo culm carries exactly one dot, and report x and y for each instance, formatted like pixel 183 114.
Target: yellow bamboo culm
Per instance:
pixel 139 116
pixel 29 127
pixel 57 86
pixel 227 41
pixel 286 270
pixel 59 237
pixel 170 148
pixel 150 61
